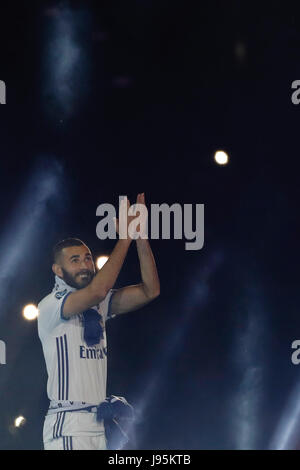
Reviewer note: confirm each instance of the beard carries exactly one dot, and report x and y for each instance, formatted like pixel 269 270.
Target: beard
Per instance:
pixel 77 281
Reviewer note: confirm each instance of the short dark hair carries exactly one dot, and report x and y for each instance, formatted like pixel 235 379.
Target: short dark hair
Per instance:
pixel 67 242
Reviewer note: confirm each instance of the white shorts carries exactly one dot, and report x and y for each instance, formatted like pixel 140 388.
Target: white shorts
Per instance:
pixel 73 431
pixel 76 443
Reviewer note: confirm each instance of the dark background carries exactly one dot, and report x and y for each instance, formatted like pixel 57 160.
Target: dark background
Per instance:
pixel 161 86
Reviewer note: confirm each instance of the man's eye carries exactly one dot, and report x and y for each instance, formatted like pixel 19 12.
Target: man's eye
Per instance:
pixel 74 260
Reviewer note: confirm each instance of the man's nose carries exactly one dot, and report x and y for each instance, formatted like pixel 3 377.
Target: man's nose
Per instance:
pixel 84 264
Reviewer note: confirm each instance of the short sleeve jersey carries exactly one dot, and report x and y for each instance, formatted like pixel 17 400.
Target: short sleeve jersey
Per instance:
pixel 76 371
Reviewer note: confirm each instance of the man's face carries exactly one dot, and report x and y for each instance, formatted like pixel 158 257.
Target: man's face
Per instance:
pixel 77 266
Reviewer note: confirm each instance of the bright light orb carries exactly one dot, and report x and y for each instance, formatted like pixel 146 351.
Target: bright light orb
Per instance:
pixel 19 421
pixel 221 157
pixel 30 312
pixel 101 261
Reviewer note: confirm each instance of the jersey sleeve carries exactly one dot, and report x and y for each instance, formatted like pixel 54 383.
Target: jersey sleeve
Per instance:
pixel 50 312
pixel 104 306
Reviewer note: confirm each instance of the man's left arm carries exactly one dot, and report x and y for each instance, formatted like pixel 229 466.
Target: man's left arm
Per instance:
pixel 131 298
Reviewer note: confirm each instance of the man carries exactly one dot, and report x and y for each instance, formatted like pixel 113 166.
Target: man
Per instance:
pixel 71 327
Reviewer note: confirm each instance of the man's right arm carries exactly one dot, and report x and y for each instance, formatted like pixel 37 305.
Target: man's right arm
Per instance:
pixel 96 291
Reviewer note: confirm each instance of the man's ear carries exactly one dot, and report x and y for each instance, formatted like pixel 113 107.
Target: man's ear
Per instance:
pixel 57 270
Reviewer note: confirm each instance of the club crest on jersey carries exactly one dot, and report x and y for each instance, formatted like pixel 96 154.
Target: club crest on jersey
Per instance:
pixel 60 294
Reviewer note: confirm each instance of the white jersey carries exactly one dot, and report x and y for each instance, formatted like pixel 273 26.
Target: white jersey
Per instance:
pixel 76 372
